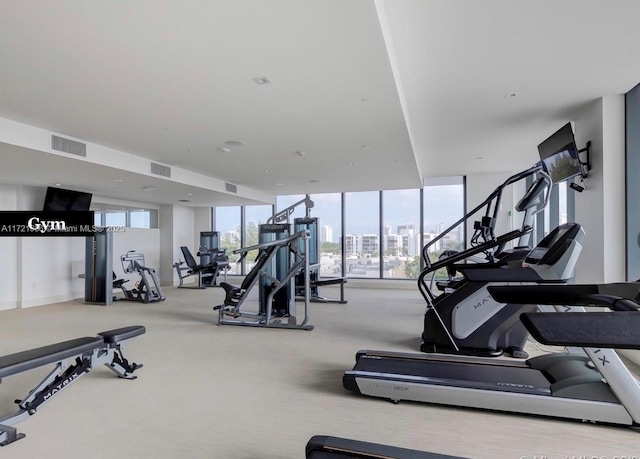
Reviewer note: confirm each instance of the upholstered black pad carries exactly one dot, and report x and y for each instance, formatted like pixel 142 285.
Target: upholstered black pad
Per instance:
pixel 122 334
pixel 618 330
pixel 28 360
pixel 324 447
pixel 541 294
pixel 330 281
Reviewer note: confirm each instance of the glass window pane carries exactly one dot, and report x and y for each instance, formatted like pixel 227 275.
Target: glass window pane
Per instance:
pixel 140 219
pixel 443 206
pixel 115 218
pixel 228 225
pixel 401 234
pixel 327 208
pixel 254 216
pixel 97 218
pixel 562 202
pixel 282 202
pixel 362 245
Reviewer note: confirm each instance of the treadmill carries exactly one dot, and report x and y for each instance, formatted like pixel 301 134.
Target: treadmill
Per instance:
pixel 325 447
pixel 593 386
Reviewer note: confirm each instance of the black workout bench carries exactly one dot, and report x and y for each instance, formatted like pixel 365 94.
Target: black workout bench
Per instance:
pixel 72 359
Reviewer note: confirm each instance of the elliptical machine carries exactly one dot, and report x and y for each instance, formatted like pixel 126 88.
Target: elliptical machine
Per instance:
pixel 461 316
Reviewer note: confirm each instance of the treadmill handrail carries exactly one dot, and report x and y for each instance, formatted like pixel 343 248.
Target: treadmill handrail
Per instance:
pixel 422 286
pixel 495 195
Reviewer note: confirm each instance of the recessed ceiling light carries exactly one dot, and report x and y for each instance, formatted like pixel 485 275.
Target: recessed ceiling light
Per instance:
pixel 149 188
pixel 188 150
pixel 189 194
pixel 301 153
pixel 117 189
pixel 224 149
pixel 396 160
pixel 262 80
pixel 353 164
pixel 266 170
pixel 117 180
pixel 314 181
pixel 233 143
pixel 364 99
pixel 279 184
pixel 58 184
pixel 510 95
pixel 184 200
pixel 479 157
pixel 165 129
pixel 365 146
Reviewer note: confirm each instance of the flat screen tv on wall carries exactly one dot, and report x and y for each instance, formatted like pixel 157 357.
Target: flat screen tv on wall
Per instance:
pixel 559 155
pixel 61 199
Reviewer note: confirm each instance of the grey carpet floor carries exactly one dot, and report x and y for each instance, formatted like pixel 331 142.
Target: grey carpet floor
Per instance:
pixel 241 393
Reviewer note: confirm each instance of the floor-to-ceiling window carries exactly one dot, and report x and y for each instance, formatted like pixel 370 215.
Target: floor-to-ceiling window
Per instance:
pixel 228 224
pixel 401 241
pixel 372 234
pixel 362 234
pixel 443 205
pixel 254 217
pixel 327 208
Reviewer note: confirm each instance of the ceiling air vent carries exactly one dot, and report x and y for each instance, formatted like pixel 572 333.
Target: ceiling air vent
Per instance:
pixel 159 169
pixel 231 188
pixel 68 146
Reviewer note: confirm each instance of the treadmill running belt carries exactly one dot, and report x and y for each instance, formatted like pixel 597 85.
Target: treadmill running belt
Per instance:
pixel 501 378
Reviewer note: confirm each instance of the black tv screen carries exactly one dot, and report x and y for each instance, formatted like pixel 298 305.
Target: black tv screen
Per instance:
pixel 559 155
pixel 61 199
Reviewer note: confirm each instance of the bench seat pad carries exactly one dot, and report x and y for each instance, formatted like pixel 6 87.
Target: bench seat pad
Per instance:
pixel 122 334
pixel 28 360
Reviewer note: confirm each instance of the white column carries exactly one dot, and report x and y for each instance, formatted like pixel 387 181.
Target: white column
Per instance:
pixel 600 208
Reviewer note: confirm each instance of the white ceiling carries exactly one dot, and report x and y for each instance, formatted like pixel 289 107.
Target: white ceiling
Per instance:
pixel 457 59
pixel 172 81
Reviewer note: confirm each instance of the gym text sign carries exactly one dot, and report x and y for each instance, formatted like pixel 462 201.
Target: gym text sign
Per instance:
pixel 48 223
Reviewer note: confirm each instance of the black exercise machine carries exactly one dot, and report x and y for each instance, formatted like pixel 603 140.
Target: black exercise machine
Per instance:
pixel 147 289
pixel 325 447
pixel 589 382
pixel 72 359
pixel 315 281
pixel 461 316
pixel 206 273
pixel 279 260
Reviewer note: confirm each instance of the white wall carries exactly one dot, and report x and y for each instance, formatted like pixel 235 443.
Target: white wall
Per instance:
pixel 600 208
pixel 177 228
pixel 43 270
pixel 143 240
pixel 8 248
pixel 165 223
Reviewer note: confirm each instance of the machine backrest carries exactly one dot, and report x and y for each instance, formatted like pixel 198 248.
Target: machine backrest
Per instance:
pixel 188 258
pixel 263 256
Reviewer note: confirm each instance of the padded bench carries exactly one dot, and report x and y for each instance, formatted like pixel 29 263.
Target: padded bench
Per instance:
pixel 73 359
